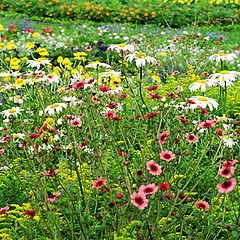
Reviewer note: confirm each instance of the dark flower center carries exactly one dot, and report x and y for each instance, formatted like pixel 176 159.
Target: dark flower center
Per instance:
pixel 148 190
pixel 139 200
pixel 226 184
pixel 153 168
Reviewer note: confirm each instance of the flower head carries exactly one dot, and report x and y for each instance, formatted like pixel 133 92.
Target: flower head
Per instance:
pixel 202 205
pixel 99 183
pixel 139 200
pixel 167 155
pixel 203 102
pixel 191 138
pixel 227 186
pixel 140 59
pixel 149 189
pixel 163 136
pixel 154 168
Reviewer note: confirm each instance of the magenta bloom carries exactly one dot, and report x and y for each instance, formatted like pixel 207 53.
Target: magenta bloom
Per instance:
pixel 229 163
pixel 163 136
pixel 99 183
pixel 4 210
pixel 226 172
pixel 154 168
pixel 227 186
pixel 30 213
pixel 51 173
pixel 139 200
pixel 164 186
pixel 207 124
pixel 202 205
pixel 76 122
pixel 191 138
pixel 53 197
pixel 149 189
pixel 167 155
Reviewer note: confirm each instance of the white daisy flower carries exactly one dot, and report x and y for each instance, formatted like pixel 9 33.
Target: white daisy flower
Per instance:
pixel 16 99
pixel 18 136
pixel 32 81
pixel 227 141
pixel 10 74
pixel 72 100
pixel 203 102
pixel 58 107
pixel 51 78
pixel 140 58
pixel 224 76
pixel 97 64
pixel 37 63
pixel 201 84
pixel 12 112
pixel 223 56
pixel 122 47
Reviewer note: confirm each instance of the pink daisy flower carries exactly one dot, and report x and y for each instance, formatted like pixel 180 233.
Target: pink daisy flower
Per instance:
pixel 167 155
pixel 99 183
pixel 154 168
pixel 202 205
pixel 207 124
pixel 139 200
pixel 149 189
pixel 76 122
pixel 53 197
pixel 227 186
pixel 229 163
pixel 191 138
pixel 226 172
pixel 163 136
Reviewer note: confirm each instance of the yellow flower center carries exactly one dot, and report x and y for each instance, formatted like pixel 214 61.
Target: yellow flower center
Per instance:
pixel 203 99
pixel 54 105
pixel 16 136
pixel 224 72
pixel 19 81
pixel 222 119
pixel 12 111
pixel 226 137
pixel 202 81
pixel 49 121
pixel 222 54
pixel 122 45
pixel 140 55
pixel 163 54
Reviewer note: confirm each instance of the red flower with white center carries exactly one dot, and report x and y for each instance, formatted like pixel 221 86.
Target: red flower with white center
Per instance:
pixel 226 172
pixel 227 186
pixel 4 210
pixel 76 122
pixel 152 96
pixel 167 155
pixel 163 136
pixel 77 85
pixel 182 119
pixel 202 205
pixel 53 197
pixel 152 88
pixel 30 213
pixel 154 168
pixel 99 183
pixel 207 124
pixel 88 48
pixel 164 186
pixel 149 189
pixel 229 163
pixel 104 88
pixel 139 200
pixel 191 138
pixel 51 173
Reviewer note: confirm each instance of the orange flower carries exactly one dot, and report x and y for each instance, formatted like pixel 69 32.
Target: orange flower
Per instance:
pixel 236 15
pixel 153 13
pixel 166 9
pixel 138 16
pixel 146 14
pixel 56 1
pixel 70 9
pixel 131 13
pixel 68 13
pixel 108 14
pixel 27 5
pixel 49 3
pixel 101 8
pixel 160 5
pixel 204 8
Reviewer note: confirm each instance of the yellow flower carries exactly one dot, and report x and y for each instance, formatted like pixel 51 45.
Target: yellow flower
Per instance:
pixel 162 221
pixel 60 59
pixel 156 78
pixel 19 82
pixel 11 46
pixel 24 59
pixel 1 27
pixel 2 45
pixel 35 35
pixel 7 59
pixel 30 45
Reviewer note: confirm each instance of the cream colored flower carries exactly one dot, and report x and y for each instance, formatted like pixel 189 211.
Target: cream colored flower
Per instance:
pixel 203 102
pixel 38 62
pixel 97 64
pixel 223 56
pixel 140 59
pixel 58 107
pixel 201 84
pixel 12 112
pixel 224 76
pixel 121 47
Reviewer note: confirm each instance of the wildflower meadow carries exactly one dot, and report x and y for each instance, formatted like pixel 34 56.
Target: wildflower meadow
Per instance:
pixel 119 120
